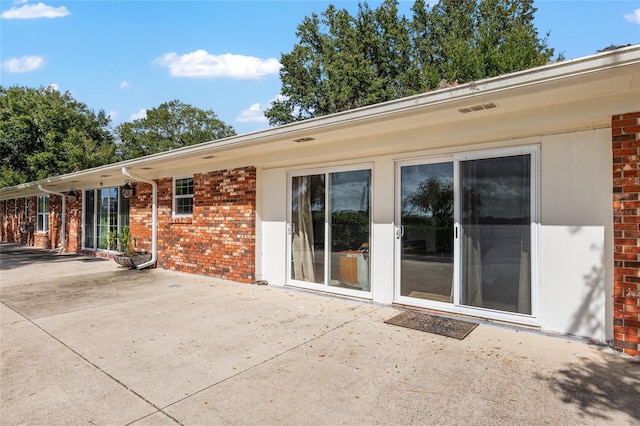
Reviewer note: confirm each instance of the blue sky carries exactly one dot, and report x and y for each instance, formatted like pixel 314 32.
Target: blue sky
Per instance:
pixel 128 56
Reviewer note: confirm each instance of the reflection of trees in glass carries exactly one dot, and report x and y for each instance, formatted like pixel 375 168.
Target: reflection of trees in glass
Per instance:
pixel 433 198
pixel 471 204
pixel 349 230
pixel 431 206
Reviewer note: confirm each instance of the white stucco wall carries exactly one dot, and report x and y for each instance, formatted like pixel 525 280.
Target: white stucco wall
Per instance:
pixel 575 231
pixel 272 212
pixel 576 234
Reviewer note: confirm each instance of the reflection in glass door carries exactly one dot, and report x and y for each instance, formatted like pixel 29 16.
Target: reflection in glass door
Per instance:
pixel 496 233
pixel 425 232
pixel 349 225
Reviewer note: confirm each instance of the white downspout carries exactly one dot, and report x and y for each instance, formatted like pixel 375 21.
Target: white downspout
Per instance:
pixel 63 237
pixel 154 217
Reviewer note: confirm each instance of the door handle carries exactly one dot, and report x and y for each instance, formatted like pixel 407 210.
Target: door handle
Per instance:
pixel 291 228
pixel 399 231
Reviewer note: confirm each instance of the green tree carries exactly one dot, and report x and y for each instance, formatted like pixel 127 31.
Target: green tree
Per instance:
pixel 341 62
pixel 45 133
pixel 169 126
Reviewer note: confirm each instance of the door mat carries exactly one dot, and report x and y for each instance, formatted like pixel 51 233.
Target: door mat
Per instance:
pixel 448 327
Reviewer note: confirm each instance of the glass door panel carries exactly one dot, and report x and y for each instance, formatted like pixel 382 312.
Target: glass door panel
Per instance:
pixel 349 225
pixel 426 231
pixel 89 219
pixel 307 228
pixel 495 243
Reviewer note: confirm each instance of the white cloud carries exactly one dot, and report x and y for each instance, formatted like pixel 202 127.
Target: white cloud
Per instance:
pixel 32 11
pixel 125 84
pixel 54 86
pixel 112 115
pixel 23 64
pixel 633 17
pixel 201 64
pixel 138 115
pixel 253 114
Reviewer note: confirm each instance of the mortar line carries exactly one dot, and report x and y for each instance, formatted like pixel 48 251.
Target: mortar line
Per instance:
pixel 271 358
pixel 95 366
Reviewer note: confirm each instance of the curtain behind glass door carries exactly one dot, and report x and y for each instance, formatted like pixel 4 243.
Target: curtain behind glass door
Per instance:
pixel 307 228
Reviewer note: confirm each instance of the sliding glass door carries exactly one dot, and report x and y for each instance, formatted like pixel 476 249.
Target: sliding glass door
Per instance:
pixel 329 230
pixel 105 211
pixel 425 231
pixel 465 232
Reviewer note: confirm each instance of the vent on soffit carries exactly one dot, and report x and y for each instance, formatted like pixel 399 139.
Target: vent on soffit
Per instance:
pixel 300 140
pixel 479 107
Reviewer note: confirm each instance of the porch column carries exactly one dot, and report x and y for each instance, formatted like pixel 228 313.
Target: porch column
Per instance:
pixel 625 129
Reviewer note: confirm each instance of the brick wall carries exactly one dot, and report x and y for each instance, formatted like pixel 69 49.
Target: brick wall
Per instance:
pixel 74 224
pixel 626 228
pixel 218 240
pixel 10 221
pixel 50 239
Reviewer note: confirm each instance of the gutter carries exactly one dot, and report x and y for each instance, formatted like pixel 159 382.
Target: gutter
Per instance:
pixel 154 218
pixel 63 237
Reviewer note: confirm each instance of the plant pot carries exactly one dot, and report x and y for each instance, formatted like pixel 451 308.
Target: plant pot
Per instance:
pixel 132 261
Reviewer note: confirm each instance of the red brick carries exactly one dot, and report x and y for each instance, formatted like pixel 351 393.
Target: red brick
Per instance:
pixel 630 352
pixel 620 345
pixel 631 309
pixel 624 122
pixel 631 249
pixel 633 128
pixel 626 256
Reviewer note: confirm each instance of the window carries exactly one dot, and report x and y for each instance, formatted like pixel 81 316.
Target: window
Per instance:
pixel 183 197
pixel 43 213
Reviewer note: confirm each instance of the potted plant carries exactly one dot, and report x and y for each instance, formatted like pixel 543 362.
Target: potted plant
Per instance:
pixel 123 243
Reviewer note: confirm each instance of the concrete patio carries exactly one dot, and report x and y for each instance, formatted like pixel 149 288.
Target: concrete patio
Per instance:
pixel 86 342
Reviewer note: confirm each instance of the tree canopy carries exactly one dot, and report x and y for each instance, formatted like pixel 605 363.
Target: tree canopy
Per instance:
pixel 341 62
pixel 46 133
pixel 171 125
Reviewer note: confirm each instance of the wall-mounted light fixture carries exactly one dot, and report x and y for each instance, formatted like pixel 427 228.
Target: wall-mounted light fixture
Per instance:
pixel 72 196
pixel 127 190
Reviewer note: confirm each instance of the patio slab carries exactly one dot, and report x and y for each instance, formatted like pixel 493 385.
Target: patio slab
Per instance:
pixel 89 342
